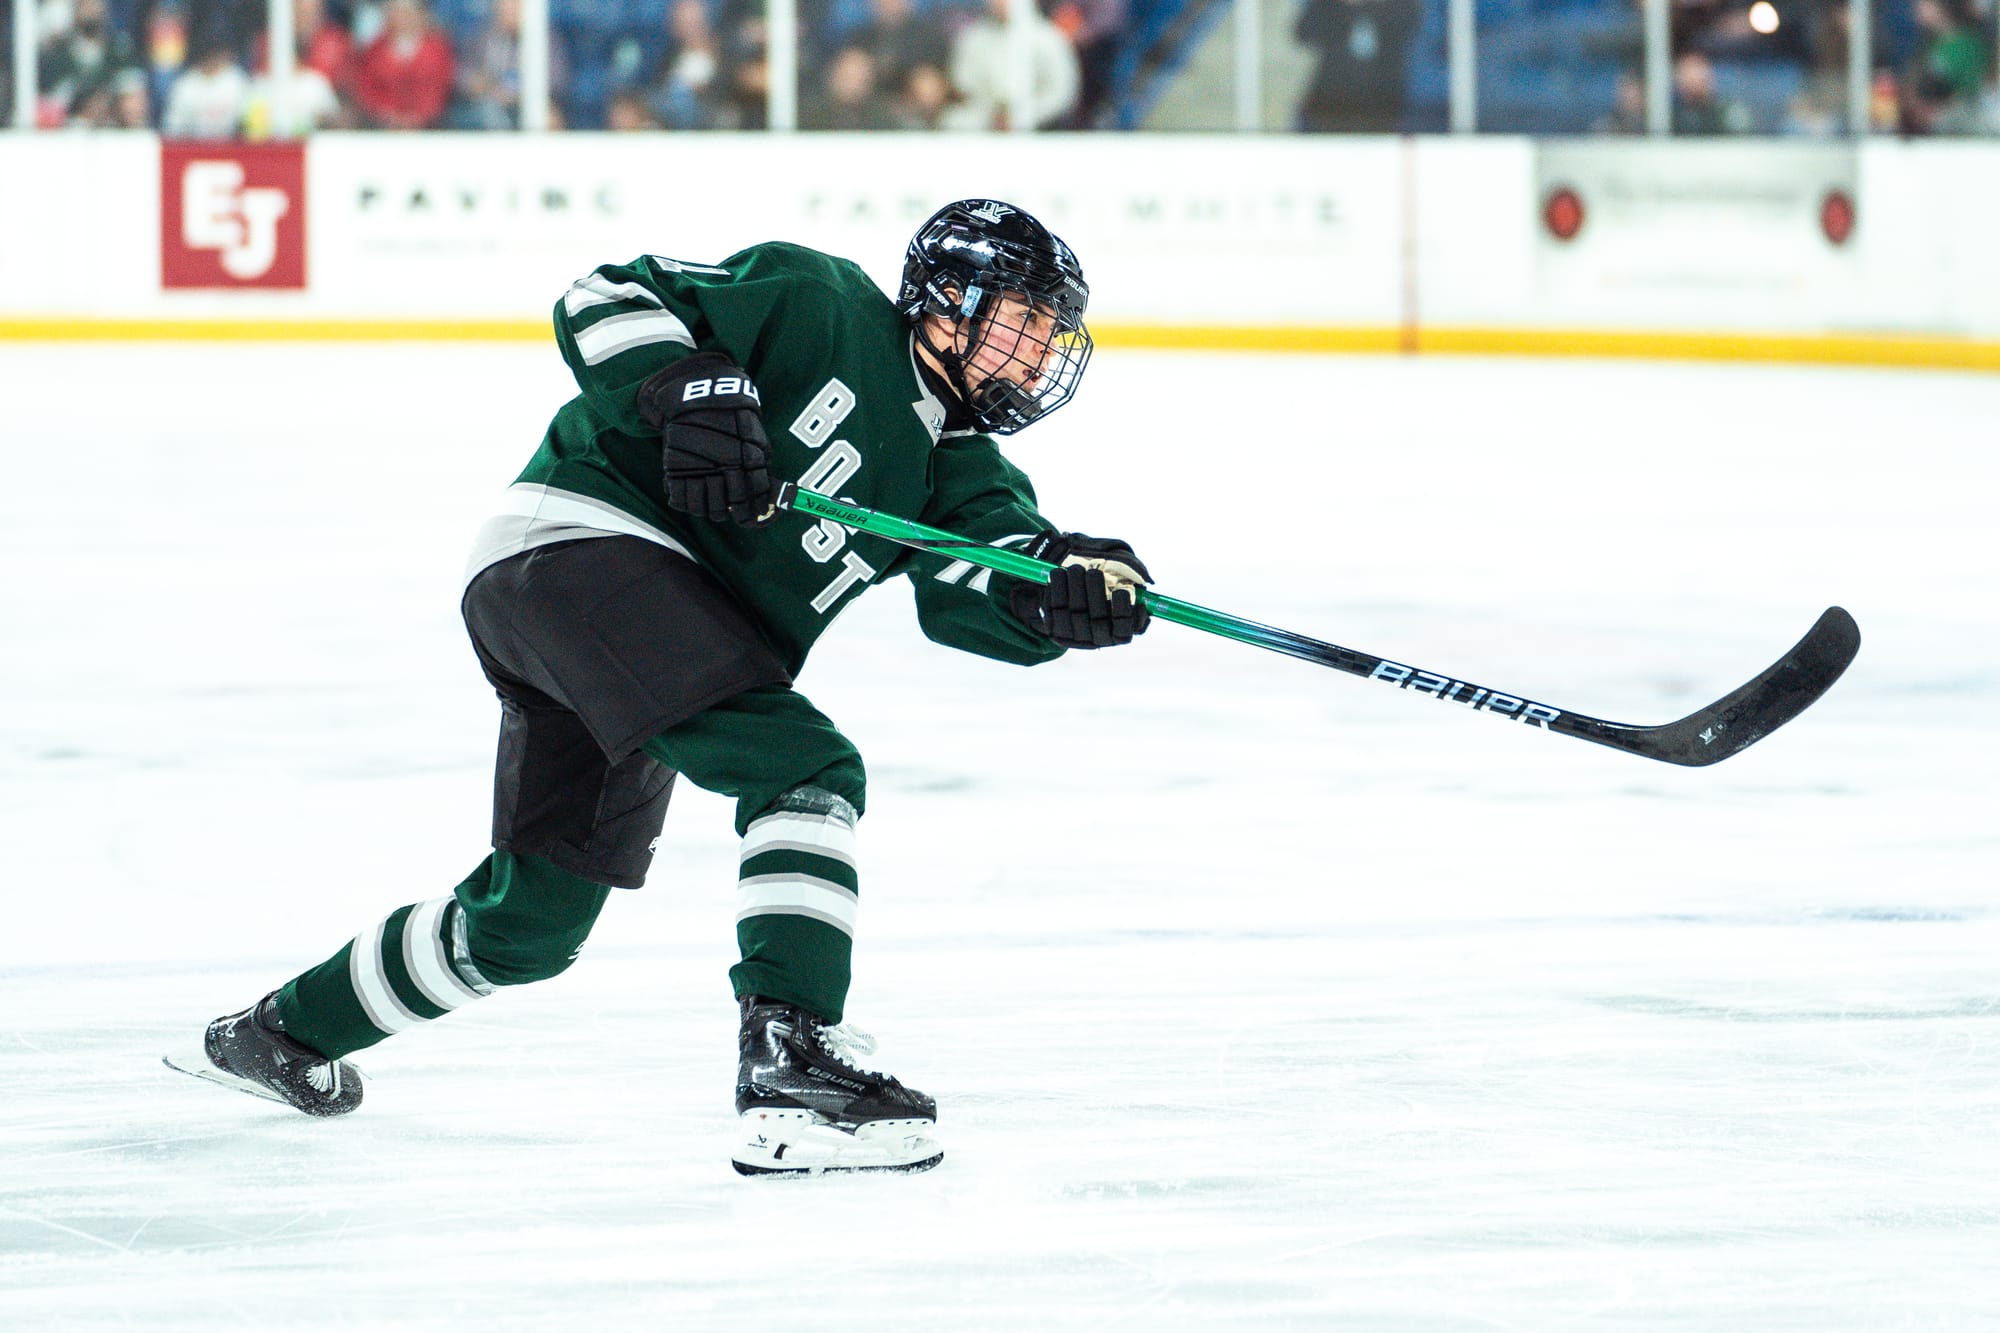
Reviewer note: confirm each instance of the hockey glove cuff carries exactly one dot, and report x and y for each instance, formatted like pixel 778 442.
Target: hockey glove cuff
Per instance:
pixel 1122 568
pixel 716 456
pixel 1093 600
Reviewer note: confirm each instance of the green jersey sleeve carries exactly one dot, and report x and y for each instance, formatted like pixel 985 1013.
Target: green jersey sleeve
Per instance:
pixel 621 324
pixel 977 493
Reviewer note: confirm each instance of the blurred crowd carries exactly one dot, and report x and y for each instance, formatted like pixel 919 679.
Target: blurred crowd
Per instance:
pixel 1782 67
pixel 201 68
pixel 1575 66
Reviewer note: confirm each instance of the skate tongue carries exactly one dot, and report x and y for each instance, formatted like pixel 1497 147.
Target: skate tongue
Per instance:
pixel 846 1043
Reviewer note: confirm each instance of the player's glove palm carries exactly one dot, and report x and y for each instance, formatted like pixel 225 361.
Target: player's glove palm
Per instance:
pixel 1093 600
pixel 717 458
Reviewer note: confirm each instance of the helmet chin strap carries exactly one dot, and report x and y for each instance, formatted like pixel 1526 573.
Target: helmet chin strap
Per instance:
pixel 993 391
pixel 998 404
pixel 950 363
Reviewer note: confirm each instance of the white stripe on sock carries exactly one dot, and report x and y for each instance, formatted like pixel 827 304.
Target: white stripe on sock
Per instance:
pixel 371 984
pixel 821 835
pixel 798 895
pixel 423 955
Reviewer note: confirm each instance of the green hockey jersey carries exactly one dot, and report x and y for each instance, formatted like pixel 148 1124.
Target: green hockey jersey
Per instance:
pixel 847 413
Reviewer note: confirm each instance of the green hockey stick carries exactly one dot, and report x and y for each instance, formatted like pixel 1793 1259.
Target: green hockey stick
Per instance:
pixel 1705 736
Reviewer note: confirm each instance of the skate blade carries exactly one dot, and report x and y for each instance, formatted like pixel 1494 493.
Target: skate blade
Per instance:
pixel 797 1143
pixel 198 1065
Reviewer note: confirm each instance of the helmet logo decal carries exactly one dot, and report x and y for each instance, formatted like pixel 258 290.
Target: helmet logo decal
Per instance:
pixel 991 211
pixel 978 245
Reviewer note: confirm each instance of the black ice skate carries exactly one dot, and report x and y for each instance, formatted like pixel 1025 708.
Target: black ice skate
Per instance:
pixel 251 1053
pixel 806 1107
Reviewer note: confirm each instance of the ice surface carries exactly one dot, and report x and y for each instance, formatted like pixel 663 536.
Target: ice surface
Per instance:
pixel 1255 996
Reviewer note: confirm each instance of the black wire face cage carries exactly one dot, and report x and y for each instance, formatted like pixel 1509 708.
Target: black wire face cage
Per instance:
pixel 1043 363
pixel 1009 285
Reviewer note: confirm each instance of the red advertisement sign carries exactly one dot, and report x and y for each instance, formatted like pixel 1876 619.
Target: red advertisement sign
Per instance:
pixel 232 215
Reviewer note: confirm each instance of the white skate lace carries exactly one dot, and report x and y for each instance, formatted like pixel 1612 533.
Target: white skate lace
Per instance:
pixel 849 1045
pixel 325 1078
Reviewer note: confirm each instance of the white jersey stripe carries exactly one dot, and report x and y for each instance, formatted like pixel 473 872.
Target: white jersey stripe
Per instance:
pixel 595 289
pixel 423 955
pixel 533 515
pixel 958 569
pixel 371 984
pixel 797 895
pixel 548 504
pixel 620 333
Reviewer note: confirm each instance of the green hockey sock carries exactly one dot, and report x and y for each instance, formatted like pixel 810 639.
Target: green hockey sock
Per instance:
pixel 407 969
pixel 796 900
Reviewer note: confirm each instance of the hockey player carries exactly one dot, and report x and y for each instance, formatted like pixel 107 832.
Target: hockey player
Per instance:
pixel 641 609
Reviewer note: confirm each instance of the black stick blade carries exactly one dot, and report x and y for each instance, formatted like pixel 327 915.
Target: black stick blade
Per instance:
pixel 1740 719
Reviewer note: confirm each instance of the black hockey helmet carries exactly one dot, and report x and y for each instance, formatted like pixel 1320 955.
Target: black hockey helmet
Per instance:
pixel 960 265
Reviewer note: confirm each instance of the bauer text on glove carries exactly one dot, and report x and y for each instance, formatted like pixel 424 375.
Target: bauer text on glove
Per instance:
pixel 717 458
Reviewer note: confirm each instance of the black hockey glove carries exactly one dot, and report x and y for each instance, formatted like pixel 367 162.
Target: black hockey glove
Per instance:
pixel 1093 600
pixel 711 423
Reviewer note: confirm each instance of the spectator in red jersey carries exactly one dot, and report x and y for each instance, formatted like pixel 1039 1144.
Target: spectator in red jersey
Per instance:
pixel 319 42
pixel 403 80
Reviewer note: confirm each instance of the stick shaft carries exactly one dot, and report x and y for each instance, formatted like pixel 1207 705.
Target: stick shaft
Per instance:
pixel 1704 737
pixel 926 538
